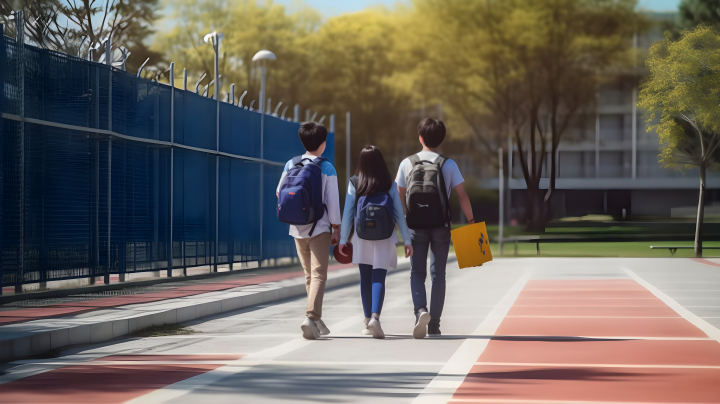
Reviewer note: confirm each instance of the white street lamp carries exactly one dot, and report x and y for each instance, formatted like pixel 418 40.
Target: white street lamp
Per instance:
pixel 262 58
pixel 215 38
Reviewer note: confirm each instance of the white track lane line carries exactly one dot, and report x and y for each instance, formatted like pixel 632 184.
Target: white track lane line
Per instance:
pixel 510 401
pixel 451 376
pixel 266 356
pixel 595 365
pixel 698 322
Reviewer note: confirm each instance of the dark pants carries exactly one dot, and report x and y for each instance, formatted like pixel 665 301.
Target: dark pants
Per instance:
pixel 372 289
pixel 437 242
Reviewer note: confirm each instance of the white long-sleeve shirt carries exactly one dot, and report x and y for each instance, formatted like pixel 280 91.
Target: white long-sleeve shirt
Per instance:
pixel 331 199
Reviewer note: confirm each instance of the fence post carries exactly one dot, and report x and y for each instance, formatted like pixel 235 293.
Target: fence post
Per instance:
pixel 172 167
pixel 263 72
pixel 3 56
pixel 20 28
pixel 296 113
pixel 347 149
pixel 501 191
pixel 109 215
pixel 216 45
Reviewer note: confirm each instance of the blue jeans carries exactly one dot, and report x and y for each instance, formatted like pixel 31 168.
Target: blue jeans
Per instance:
pixel 372 289
pixel 437 242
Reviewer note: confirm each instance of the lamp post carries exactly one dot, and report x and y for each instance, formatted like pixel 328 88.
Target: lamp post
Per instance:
pixel 215 38
pixel 262 58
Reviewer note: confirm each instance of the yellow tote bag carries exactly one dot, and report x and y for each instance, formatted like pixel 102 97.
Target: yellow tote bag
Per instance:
pixel 472 246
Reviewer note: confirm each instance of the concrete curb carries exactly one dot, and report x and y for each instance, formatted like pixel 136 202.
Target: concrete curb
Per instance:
pixel 44 335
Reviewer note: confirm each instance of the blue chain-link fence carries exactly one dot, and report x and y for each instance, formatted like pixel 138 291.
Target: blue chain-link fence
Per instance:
pixel 106 173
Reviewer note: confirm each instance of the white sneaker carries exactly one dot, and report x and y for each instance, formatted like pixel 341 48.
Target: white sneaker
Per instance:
pixel 375 328
pixel 420 329
pixel 309 329
pixel 366 330
pixel 322 327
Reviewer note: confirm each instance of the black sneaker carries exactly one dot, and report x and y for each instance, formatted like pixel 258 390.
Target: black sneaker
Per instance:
pixel 433 330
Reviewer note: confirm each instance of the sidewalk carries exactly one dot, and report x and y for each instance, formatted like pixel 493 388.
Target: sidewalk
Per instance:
pixel 34 331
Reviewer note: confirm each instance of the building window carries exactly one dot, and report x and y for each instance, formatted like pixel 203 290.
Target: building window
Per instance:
pixel 611 127
pixel 611 164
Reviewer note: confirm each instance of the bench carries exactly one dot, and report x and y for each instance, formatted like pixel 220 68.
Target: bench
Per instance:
pixel 535 239
pixel 674 249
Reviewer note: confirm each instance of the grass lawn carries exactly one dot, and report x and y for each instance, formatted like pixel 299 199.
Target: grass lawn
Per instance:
pixel 620 249
pixel 588 249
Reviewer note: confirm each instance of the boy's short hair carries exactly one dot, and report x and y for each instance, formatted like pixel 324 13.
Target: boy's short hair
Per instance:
pixel 312 135
pixel 432 131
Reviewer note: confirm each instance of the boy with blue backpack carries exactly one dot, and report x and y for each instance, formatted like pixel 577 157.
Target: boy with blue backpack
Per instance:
pixel 308 200
pixel 425 181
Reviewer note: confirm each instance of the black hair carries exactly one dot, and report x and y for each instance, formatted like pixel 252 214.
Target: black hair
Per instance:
pixel 432 131
pixel 373 174
pixel 312 135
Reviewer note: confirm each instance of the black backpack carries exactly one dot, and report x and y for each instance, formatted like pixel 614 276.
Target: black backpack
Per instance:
pixel 426 201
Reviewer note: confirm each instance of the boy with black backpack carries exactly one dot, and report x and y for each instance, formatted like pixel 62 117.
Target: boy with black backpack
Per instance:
pixel 309 202
pixel 425 181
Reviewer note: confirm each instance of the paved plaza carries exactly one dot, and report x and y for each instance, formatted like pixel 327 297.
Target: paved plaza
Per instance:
pixel 538 330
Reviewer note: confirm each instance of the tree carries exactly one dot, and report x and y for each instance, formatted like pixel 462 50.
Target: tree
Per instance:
pixel 75 26
pixel 248 26
pixel 681 99
pixel 354 60
pixel 523 69
pixel 699 12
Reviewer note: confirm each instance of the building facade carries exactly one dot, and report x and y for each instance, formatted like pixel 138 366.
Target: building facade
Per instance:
pixel 612 168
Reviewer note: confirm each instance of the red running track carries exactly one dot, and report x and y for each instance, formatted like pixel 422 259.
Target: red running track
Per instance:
pixel 74 308
pixel 109 383
pixel 594 341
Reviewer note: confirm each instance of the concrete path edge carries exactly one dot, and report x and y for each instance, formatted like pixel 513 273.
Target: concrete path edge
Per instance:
pixel 43 340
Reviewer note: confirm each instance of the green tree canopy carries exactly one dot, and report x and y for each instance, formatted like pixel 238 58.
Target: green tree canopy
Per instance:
pixel 682 100
pixel 697 12
pixel 248 26
pixel 684 86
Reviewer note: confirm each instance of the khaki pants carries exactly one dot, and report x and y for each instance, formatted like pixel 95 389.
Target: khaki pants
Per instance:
pixel 314 255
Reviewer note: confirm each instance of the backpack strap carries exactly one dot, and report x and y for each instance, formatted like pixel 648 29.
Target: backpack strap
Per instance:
pixel 354 181
pixel 440 163
pixel 415 160
pixel 296 160
pixel 315 224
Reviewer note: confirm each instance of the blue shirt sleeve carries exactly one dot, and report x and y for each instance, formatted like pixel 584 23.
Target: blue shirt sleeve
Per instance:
pixel 348 215
pixel 400 215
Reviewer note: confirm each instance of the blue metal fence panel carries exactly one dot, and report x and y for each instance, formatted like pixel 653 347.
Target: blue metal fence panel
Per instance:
pixel 85 189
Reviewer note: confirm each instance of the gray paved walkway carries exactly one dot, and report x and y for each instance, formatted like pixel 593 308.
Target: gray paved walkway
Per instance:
pixel 269 362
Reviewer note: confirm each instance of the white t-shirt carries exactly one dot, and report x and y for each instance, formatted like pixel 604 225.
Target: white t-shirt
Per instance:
pixel 450 171
pixel 331 199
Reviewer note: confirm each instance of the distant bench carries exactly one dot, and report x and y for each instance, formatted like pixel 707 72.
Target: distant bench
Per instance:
pixel 607 239
pixel 674 249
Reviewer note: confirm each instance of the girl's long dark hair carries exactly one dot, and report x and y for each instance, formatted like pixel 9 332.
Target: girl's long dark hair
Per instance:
pixel 372 172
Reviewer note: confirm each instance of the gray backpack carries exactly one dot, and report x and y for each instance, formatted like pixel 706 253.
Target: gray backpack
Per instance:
pixel 426 200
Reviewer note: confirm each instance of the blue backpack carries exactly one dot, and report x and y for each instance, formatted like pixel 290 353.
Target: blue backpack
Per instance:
pixel 374 215
pixel 300 196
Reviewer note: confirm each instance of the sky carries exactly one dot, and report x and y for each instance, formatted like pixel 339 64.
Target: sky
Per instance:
pixel 330 8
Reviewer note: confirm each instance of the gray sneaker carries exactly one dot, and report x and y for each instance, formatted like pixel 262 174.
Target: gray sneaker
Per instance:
pixel 322 327
pixel 375 328
pixel 421 321
pixel 309 329
pixel 366 330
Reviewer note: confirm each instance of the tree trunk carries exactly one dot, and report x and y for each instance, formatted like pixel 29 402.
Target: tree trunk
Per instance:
pixel 536 210
pixel 700 213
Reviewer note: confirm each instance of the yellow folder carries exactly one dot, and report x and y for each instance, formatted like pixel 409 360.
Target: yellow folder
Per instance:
pixel 472 246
